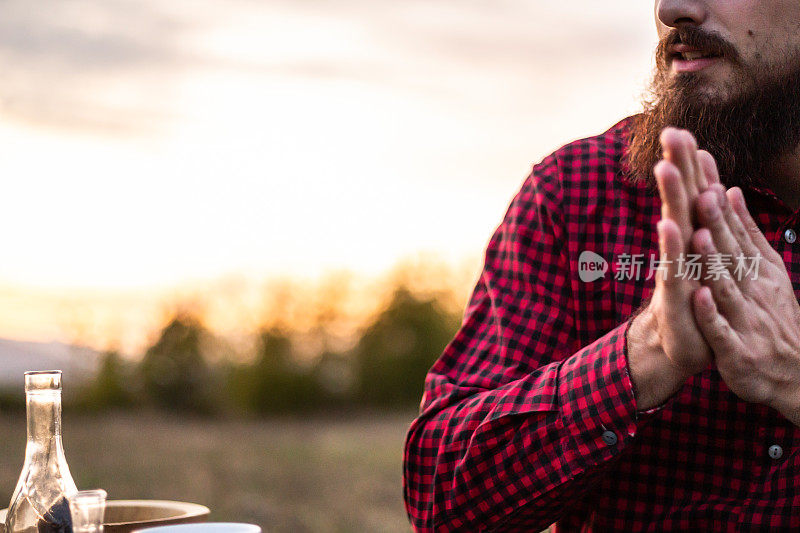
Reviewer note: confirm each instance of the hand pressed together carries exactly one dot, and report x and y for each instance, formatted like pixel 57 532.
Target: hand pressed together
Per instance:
pixel 751 322
pixel 665 344
pixel 741 314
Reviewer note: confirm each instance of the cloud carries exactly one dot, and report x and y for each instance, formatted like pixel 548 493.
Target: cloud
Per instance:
pixel 118 66
pixel 107 66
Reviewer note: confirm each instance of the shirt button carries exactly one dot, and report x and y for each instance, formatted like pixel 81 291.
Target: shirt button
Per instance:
pixel 775 451
pixel 790 236
pixel 610 438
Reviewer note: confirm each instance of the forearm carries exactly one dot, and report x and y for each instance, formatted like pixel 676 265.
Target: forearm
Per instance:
pixel 467 466
pixel 521 452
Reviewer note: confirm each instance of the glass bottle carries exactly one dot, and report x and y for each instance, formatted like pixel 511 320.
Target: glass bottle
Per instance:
pixel 39 503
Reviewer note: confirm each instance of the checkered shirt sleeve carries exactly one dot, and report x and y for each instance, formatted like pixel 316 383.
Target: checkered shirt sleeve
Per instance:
pixel 517 419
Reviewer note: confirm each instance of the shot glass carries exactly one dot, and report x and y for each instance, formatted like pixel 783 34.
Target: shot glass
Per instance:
pixel 87 508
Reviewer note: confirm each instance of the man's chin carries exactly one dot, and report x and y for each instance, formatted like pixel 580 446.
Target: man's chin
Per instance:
pixel 704 87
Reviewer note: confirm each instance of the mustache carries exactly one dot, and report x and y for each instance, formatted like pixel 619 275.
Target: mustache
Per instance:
pixel 707 41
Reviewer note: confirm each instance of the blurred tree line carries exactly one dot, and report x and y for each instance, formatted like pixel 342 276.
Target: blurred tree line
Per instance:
pixel 384 367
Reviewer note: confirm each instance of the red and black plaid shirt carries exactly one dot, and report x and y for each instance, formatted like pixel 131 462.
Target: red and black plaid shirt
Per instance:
pixel 529 416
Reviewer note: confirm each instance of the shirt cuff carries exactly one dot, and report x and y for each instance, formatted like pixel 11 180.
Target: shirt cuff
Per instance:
pixel 596 401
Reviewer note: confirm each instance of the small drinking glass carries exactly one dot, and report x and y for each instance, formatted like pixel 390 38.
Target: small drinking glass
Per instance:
pixel 87 508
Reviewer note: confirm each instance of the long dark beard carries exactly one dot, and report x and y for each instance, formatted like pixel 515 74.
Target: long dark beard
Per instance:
pixel 746 133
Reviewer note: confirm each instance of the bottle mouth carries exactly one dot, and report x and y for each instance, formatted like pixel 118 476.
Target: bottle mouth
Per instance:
pixel 43 381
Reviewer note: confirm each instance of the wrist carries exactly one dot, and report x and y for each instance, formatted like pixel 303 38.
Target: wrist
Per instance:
pixel 654 376
pixel 786 400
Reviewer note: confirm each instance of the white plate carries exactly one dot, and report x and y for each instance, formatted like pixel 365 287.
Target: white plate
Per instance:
pixel 206 527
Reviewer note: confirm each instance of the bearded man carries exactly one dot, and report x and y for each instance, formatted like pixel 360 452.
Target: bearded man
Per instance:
pixel 662 393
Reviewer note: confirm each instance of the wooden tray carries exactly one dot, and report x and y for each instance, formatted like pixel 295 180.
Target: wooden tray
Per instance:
pixel 124 516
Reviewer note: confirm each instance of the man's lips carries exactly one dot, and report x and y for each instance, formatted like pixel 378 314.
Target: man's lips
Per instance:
pixel 693 65
pixel 685 58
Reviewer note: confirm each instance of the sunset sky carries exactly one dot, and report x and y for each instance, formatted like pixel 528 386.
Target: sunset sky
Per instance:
pixel 152 145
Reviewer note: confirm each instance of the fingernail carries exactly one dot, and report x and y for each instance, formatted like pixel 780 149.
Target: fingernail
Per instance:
pixel 708 245
pixel 740 196
pixel 704 299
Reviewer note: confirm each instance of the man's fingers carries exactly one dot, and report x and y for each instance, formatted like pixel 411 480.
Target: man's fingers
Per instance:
pixel 734 223
pixel 709 167
pixel 680 148
pixel 674 204
pixel 736 199
pixel 670 244
pixel 710 214
pixel 727 295
pixel 715 329
pixel 729 232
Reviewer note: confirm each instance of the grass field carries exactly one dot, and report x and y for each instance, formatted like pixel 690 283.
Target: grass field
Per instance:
pixel 315 474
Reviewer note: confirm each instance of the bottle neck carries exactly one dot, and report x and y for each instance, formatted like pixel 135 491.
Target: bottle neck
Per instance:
pixel 44 415
pixel 45 463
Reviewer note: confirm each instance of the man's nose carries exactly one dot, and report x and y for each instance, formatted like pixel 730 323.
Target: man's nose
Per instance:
pixel 674 13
